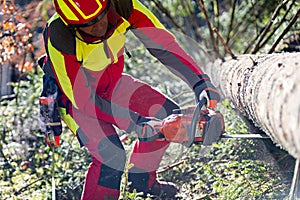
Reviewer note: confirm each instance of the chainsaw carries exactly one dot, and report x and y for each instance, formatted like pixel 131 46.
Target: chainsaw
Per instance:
pixel 197 125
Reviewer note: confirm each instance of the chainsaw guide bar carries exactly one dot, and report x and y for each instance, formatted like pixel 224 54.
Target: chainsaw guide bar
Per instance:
pixel 246 136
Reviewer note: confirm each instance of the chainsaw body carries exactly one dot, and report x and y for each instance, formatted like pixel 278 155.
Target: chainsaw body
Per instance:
pixel 193 125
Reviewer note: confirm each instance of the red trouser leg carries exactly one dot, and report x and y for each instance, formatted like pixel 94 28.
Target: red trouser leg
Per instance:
pixel 146 157
pixel 92 190
pixel 108 156
pixel 147 101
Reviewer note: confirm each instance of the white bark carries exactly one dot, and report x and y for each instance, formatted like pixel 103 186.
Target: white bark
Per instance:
pixel 266 89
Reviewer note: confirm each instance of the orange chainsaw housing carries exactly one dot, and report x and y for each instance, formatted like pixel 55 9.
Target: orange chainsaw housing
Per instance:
pixel 177 127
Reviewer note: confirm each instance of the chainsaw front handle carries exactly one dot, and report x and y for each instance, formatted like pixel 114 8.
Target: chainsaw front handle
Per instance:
pixel 192 132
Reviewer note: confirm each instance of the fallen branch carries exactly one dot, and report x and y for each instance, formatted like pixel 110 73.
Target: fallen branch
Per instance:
pixel 28 185
pixel 207 196
pixel 168 167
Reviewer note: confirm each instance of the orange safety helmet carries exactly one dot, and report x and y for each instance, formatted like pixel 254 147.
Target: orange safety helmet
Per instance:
pixel 81 12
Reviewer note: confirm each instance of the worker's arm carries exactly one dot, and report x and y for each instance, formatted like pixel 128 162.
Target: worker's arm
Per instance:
pixel 163 45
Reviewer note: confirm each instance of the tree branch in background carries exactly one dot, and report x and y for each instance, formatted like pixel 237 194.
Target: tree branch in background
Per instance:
pixel 216 16
pixel 201 3
pixel 231 21
pixel 194 21
pixel 251 42
pixel 279 24
pixel 168 15
pixel 227 49
pixel 293 21
pixel 268 26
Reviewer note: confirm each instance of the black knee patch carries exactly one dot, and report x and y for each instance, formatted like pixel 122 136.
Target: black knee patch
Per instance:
pixel 139 179
pixel 114 160
pixel 112 152
pixel 110 177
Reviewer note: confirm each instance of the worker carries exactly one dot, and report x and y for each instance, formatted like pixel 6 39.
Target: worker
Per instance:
pixel 85 43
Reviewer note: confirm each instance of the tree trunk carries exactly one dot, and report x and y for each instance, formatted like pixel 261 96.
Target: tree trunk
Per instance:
pixel 266 89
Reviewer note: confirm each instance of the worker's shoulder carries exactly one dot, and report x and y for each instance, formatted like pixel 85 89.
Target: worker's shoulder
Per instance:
pixel 123 7
pixel 61 36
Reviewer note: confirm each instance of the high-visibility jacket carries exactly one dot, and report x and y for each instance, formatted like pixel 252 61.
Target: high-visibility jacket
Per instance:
pixel 87 69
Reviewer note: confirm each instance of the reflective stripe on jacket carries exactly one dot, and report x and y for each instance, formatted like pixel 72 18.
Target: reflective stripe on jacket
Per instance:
pixel 88 72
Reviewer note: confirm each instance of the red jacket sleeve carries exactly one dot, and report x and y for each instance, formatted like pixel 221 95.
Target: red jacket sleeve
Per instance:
pixel 162 44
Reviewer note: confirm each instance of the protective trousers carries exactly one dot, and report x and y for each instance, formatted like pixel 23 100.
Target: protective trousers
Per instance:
pixel 108 155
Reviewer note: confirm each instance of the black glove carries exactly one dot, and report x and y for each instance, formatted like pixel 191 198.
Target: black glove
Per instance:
pixel 205 89
pixel 49 112
pixel 145 129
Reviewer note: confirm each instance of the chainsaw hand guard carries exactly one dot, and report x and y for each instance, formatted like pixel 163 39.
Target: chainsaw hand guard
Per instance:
pixel 207 126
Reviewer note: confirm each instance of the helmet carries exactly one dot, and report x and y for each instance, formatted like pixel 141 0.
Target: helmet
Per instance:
pixel 81 12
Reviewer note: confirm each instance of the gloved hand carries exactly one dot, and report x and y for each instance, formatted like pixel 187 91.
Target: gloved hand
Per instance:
pixel 205 89
pixel 146 129
pixel 52 140
pixel 49 113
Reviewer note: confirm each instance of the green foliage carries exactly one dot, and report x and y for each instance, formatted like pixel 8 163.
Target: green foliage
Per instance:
pixel 227 170
pixel 26 160
pixel 240 29
pixel 230 169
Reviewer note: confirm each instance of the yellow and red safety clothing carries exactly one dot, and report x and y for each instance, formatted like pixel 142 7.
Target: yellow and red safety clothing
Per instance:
pixel 97 95
pixel 85 68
